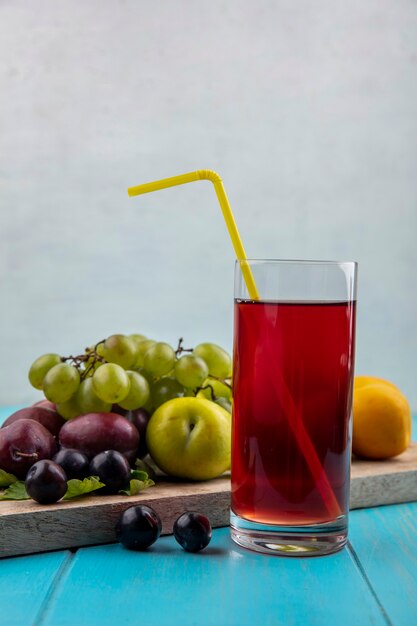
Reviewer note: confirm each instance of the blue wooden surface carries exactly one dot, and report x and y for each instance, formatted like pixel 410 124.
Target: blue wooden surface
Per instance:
pixel 373 581
pixel 223 585
pixel 26 583
pixel 385 542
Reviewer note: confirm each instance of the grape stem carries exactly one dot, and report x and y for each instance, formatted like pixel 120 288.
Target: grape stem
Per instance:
pixel 213 395
pixel 91 357
pixel 27 455
pixel 221 380
pixel 180 349
pixel 95 359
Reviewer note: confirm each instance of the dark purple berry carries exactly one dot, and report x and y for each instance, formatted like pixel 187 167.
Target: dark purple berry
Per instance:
pixel 73 462
pixel 192 531
pixel 113 470
pixel 138 527
pixel 46 482
pixel 140 419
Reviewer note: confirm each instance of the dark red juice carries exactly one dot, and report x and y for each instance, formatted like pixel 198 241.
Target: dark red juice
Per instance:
pixel 293 374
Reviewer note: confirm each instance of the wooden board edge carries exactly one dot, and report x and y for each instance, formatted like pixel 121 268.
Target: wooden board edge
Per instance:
pixel 62 528
pixel 29 528
pixel 160 491
pixel 392 488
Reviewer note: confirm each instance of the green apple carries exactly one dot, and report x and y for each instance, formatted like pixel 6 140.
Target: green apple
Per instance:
pixel 190 438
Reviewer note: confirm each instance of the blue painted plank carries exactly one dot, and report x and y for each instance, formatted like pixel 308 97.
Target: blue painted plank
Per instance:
pixel 224 585
pixel 385 541
pixel 25 585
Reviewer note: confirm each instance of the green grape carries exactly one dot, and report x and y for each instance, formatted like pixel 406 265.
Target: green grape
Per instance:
pixel 40 367
pixel 220 390
pixel 142 347
pixel 137 338
pixel 218 360
pixel 70 409
pixel 191 371
pixel 166 389
pixel 138 394
pixel 119 349
pixel 88 401
pixel 98 348
pixel 151 381
pixel 146 375
pixel 61 382
pixel 149 406
pixel 159 359
pixel 224 403
pixel 111 383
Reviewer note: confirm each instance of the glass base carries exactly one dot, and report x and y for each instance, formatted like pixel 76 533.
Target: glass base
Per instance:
pixel 309 540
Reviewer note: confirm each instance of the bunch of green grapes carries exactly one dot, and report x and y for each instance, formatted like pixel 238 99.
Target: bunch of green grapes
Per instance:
pixel 132 372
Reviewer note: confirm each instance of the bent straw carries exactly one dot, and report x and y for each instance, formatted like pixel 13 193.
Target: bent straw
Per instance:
pixel 224 205
pixel 290 409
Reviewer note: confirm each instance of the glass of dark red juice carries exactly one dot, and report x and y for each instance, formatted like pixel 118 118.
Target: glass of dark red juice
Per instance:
pixel 292 395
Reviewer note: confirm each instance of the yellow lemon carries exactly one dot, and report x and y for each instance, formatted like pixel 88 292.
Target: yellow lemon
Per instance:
pixel 381 419
pixel 361 381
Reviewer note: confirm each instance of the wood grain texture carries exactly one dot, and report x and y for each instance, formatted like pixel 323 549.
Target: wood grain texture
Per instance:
pixel 384 482
pixel 27 527
pixel 225 584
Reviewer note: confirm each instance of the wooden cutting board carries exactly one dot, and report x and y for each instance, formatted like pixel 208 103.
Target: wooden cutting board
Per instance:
pixel 27 527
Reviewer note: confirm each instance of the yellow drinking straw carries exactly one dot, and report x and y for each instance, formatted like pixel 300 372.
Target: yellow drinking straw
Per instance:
pixel 226 210
pixel 293 418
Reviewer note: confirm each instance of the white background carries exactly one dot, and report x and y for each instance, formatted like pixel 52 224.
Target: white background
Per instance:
pixel 307 109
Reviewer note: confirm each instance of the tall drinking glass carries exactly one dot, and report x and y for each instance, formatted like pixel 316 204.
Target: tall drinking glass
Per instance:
pixel 292 397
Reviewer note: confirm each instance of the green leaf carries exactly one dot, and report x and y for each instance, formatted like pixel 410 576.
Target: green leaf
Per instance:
pixel 16 491
pixel 138 475
pixel 78 488
pixel 145 467
pixel 136 486
pixel 6 479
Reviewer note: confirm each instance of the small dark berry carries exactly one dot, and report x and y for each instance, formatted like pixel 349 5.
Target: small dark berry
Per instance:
pixel 113 470
pixel 46 482
pixel 138 527
pixel 74 463
pixel 192 531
